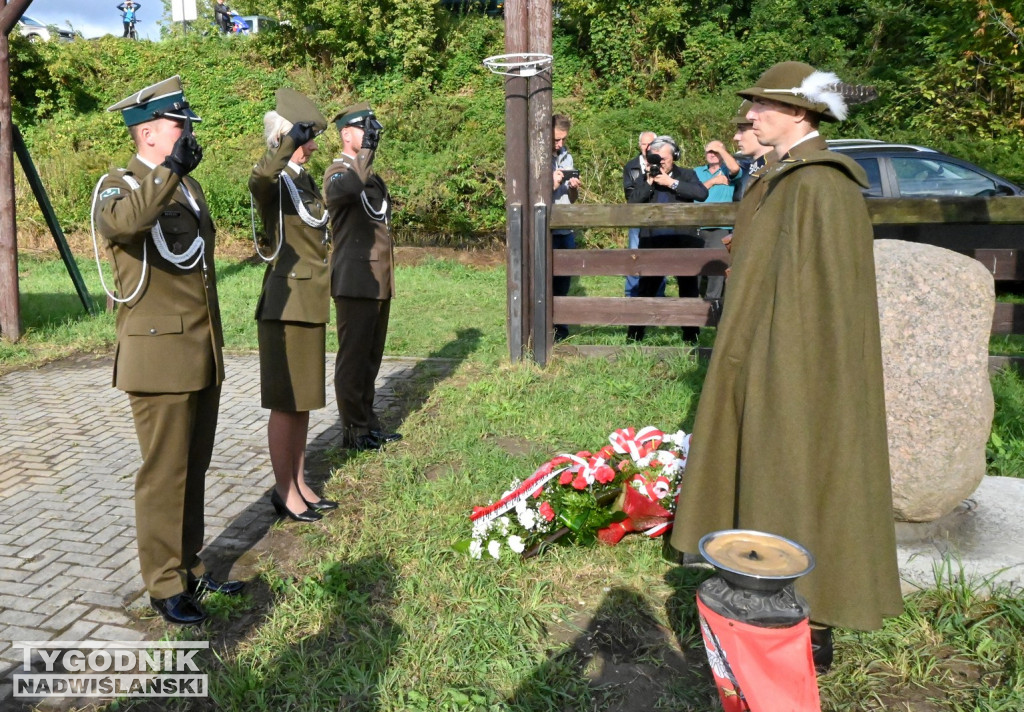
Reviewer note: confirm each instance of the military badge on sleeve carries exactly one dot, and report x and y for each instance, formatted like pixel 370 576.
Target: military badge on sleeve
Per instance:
pixel 109 192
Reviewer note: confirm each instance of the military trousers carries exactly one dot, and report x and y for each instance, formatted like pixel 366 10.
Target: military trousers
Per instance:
pixel 176 434
pixel 362 331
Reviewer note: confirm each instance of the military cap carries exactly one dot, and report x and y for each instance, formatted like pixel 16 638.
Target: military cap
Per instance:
pixel 354 115
pixel 297 109
pixel 741 113
pixel 801 85
pixel 163 100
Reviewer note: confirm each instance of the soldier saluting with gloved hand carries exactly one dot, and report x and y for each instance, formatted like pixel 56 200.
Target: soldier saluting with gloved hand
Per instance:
pixel 362 274
pixel 160 242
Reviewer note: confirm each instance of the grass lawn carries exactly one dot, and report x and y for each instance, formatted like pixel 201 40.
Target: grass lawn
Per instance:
pixel 371 609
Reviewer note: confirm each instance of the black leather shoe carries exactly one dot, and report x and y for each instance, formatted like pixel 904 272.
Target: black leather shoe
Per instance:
pixel 181 609
pixel 321 505
pixel 208 584
pixel 363 442
pixel 822 651
pixel 385 437
pixel 282 510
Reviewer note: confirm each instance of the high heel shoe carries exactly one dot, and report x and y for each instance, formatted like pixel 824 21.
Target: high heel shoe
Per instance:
pixel 282 510
pixel 321 505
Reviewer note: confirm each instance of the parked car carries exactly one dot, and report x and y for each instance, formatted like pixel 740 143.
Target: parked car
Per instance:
pixel 36 31
pixel 907 171
pixel 260 23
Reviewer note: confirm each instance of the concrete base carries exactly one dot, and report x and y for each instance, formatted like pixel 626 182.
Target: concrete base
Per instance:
pixel 983 540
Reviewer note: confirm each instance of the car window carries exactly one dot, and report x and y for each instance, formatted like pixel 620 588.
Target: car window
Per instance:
pixel 931 177
pixel 870 166
pixel 30 21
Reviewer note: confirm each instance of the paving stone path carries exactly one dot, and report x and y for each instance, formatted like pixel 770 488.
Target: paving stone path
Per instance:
pixel 68 456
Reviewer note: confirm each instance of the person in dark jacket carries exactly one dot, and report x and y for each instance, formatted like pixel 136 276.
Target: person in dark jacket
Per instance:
pixel 667 183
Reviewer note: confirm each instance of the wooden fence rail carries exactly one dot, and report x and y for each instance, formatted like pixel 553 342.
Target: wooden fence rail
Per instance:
pixel 1005 265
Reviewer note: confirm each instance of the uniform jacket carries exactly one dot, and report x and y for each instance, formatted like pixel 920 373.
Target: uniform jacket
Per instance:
pixel 362 263
pixel 169 336
pixel 296 285
pixel 790 434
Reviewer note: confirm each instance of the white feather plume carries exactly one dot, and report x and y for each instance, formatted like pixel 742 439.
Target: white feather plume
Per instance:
pixel 823 88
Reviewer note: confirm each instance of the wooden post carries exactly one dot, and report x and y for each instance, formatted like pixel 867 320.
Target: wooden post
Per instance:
pixel 518 231
pixel 540 146
pixel 10 304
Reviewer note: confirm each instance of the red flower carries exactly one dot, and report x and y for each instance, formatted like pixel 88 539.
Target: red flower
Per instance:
pixel 539 492
pixel 546 511
pixel 604 474
pixel 580 483
pixel 566 477
pixel 623 464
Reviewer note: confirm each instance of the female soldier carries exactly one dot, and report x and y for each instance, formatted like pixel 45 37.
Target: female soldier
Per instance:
pixel 294 305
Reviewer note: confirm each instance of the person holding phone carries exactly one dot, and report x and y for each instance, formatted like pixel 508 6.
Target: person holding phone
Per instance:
pixel 566 186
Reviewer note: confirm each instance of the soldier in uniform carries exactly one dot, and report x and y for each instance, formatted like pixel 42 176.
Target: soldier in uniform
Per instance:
pixel 790 433
pixel 362 274
pixel 160 242
pixel 294 305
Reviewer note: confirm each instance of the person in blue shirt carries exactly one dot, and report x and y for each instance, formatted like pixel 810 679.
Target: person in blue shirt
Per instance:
pixel 720 174
pixel 129 11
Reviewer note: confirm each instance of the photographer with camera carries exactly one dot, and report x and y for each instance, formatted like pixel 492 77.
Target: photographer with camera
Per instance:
pixel 566 185
pixel 129 15
pixel 667 183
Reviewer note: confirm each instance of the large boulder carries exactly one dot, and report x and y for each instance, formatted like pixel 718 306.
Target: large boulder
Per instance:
pixel 935 307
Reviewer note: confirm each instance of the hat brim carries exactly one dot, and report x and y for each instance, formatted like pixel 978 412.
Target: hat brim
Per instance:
pixel 780 97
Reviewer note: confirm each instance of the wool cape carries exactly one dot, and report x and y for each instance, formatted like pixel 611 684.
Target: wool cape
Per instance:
pixel 790 434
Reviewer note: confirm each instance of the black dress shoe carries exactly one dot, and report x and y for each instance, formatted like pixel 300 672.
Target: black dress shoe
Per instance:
pixel 181 609
pixel 822 651
pixel 208 584
pixel 282 510
pixel 386 438
pixel 363 442
pixel 321 505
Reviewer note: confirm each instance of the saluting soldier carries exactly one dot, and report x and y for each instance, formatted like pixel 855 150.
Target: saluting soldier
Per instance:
pixel 160 242
pixel 362 274
pixel 294 305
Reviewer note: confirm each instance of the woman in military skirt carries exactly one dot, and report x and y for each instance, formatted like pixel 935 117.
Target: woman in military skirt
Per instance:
pixel 294 304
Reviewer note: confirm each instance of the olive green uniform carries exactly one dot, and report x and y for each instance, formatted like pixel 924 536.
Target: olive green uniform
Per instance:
pixel 790 434
pixel 362 283
pixel 168 360
pixel 294 306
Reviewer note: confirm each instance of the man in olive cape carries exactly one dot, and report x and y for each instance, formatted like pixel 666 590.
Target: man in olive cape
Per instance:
pixel 790 434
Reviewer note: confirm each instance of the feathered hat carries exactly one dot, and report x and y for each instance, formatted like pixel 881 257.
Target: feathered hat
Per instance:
pixel 799 84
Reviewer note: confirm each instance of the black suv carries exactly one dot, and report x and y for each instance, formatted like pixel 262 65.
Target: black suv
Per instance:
pixel 906 171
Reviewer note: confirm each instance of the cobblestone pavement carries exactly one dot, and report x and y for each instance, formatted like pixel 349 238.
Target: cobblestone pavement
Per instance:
pixel 68 456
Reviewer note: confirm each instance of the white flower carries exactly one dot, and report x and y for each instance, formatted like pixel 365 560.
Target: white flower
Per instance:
pixel 665 457
pixel 504 522
pixel 481 527
pixel 528 518
pixel 476 548
pixel 645 461
pixel 515 543
pixel 494 548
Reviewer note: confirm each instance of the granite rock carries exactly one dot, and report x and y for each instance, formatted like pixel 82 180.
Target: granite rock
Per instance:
pixel 935 308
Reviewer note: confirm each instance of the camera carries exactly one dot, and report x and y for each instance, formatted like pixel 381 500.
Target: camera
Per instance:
pixel 653 163
pixel 568 173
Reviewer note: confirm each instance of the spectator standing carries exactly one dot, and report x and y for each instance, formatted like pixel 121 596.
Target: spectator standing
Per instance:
pixel 222 16
pixel 362 274
pixel 667 182
pixel 160 242
pixel 633 173
pixel 566 186
pixel 294 305
pixel 790 432
pixel 129 14
pixel 719 174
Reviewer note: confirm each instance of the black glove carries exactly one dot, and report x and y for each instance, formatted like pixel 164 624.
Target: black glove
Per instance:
pixel 186 154
pixel 302 133
pixel 371 133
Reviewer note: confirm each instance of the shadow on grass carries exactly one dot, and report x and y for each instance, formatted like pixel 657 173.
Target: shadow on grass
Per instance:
pixel 39 311
pixel 334 651
pixel 620 658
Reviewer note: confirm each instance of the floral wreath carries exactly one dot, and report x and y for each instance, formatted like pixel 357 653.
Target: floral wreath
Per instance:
pixel 631 484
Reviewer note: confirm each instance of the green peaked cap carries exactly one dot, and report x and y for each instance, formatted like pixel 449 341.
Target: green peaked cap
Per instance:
pixel 297 108
pixel 163 100
pixel 741 113
pixel 353 115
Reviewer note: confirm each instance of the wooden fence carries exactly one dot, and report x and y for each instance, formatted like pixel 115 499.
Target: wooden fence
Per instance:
pixel 1004 264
